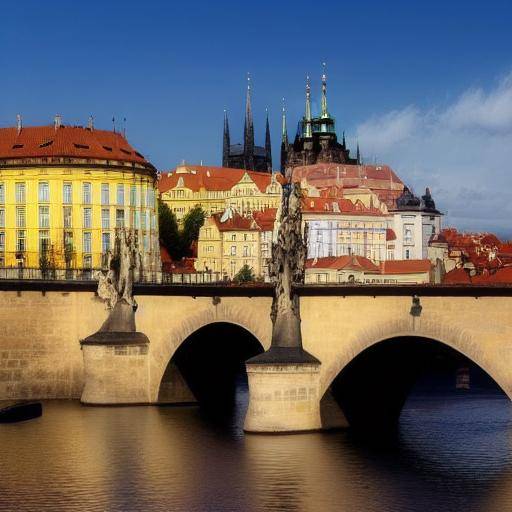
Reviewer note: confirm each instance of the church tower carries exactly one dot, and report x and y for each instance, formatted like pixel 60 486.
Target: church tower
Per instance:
pixel 247 155
pixel 225 142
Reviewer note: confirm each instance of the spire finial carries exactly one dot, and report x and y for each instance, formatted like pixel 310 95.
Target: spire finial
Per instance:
pixel 307 115
pixel 19 123
pixel 225 141
pixel 325 113
pixel 248 129
pixel 358 154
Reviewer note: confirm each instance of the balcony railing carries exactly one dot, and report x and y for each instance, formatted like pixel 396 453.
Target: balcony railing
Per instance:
pixel 36 274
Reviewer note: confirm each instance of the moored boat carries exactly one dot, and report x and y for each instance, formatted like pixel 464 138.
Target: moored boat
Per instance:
pixel 13 411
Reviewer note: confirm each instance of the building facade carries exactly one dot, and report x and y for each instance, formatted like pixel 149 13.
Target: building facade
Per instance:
pixel 228 241
pixel 339 227
pixel 65 189
pixel 216 188
pixel 360 270
pixel 247 155
pixel 415 220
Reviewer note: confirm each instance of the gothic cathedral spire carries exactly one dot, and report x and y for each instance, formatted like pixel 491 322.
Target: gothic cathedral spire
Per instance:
pixel 225 142
pixel 248 129
pixel 268 146
pixel 284 141
pixel 308 133
pixel 325 112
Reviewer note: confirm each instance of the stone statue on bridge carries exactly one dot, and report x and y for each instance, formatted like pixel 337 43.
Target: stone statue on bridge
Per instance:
pixel 118 335
pixel 287 269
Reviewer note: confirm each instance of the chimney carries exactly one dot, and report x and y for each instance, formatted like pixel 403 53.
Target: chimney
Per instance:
pixel 57 121
pixel 19 123
pixel 90 123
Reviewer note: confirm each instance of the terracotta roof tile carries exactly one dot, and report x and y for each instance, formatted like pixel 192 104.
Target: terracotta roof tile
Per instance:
pixel 66 141
pixel 197 177
pixel 405 266
pixel 343 262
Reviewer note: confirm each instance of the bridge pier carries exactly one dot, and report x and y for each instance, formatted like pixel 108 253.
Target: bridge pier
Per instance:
pixel 283 396
pixel 116 361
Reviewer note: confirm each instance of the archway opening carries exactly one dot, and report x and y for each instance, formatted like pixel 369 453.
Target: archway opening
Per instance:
pixel 373 388
pixel 209 368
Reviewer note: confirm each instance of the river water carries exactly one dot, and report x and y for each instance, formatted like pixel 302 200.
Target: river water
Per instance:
pixel 453 453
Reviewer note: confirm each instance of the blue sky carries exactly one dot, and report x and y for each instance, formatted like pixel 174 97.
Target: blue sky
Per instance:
pixel 425 86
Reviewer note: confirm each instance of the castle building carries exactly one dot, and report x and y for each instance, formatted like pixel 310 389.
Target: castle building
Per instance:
pixel 247 155
pixel 216 188
pixel 65 189
pixel 316 140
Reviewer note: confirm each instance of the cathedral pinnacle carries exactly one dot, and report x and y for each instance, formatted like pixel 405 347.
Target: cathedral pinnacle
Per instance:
pixel 307 116
pixel 325 113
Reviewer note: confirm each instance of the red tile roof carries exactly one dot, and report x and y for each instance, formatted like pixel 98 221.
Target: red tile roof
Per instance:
pixel 197 177
pixel 381 179
pixel 343 262
pixel 336 206
pixel 462 276
pixel 405 266
pixel 66 141
pixel 265 218
pixel 235 222
pixel 390 235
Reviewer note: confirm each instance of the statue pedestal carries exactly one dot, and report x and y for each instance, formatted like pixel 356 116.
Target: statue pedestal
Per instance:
pixel 116 361
pixel 116 369
pixel 284 392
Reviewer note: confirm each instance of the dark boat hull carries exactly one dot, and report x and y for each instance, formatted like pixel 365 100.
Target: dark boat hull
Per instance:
pixel 11 412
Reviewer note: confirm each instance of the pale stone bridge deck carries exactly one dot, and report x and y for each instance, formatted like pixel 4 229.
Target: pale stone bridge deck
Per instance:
pixel 42 323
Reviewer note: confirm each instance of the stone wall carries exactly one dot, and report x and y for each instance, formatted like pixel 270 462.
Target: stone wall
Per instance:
pixel 40 354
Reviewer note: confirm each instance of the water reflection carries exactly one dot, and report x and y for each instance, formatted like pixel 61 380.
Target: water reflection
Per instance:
pixel 452 452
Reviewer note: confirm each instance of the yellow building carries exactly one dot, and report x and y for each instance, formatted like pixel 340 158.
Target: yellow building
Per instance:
pixel 65 189
pixel 228 241
pixel 217 188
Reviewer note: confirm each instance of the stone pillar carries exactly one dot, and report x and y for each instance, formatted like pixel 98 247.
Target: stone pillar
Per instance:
pixel 284 397
pixel 116 361
pixel 284 382
pixel 116 371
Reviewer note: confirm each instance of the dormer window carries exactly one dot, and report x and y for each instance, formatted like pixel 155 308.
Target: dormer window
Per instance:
pixel 46 144
pixel 107 148
pixel 81 146
pixel 17 146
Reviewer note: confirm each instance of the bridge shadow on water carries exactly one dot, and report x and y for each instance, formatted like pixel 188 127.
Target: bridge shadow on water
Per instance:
pixel 211 362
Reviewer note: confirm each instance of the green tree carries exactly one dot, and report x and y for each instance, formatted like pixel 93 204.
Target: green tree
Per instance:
pixel 192 223
pixel 245 275
pixel 168 228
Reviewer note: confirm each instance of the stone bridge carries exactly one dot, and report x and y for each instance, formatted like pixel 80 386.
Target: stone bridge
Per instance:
pixel 42 323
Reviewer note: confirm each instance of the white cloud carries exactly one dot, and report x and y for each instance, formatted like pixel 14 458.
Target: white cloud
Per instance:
pixel 463 151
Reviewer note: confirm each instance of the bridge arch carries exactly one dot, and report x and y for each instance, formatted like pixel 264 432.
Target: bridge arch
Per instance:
pixel 236 311
pixel 372 379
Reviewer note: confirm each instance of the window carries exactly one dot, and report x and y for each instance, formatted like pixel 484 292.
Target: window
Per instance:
pixel 2 218
pixel 21 240
pixel 233 237
pixel 246 250
pixel 2 241
pixel 105 194
pixel 408 230
pixel 87 193
pixel 233 250
pixel 2 193
pixel 146 242
pixel 120 194
pixel 67 193
pixel 67 214
pixel 137 220
pixel 44 192
pixel 87 218
pixel 105 218
pixel 105 242
pixel 87 261
pixel 407 254
pixel 44 216
pixel 20 216
pixel 87 241
pixel 20 192
pixel 44 241
pixel 143 222
pixel 119 218
pixel 133 195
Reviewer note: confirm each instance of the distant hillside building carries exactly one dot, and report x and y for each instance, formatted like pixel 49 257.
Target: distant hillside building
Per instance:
pixel 316 140
pixel 247 155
